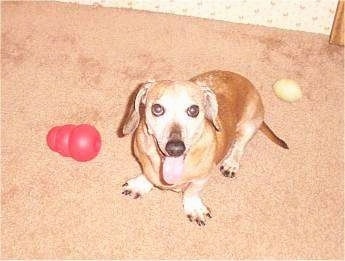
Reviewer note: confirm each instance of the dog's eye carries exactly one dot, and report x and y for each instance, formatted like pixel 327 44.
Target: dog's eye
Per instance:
pixel 157 110
pixel 193 111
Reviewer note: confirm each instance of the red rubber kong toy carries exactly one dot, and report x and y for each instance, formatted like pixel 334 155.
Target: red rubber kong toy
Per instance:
pixel 81 142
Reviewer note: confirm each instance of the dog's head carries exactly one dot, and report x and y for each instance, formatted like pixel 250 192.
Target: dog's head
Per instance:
pixel 175 115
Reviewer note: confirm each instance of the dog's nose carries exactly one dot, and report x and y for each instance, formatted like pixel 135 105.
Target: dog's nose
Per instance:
pixel 175 148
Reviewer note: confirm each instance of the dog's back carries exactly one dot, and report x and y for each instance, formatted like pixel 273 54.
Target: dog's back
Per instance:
pixel 238 100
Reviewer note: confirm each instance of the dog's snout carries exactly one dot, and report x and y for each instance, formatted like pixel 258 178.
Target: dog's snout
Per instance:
pixel 175 148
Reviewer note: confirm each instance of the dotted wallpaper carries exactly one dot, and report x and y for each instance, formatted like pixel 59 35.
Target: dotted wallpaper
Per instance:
pixel 303 15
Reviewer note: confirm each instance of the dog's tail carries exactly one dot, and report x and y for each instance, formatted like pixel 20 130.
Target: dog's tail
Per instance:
pixel 271 135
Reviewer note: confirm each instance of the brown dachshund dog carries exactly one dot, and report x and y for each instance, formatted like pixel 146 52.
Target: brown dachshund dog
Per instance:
pixel 186 127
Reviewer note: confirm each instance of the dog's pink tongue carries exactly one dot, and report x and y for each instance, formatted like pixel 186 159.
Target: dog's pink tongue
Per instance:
pixel 173 169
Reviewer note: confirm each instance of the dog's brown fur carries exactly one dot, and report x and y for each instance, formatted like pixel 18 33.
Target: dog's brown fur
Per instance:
pixel 238 100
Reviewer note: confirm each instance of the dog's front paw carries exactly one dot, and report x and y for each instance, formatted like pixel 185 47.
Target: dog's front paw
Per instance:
pixel 196 210
pixel 137 187
pixel 229 168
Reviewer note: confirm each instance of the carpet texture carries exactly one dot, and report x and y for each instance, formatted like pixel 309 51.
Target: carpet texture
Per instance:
pixel 65 63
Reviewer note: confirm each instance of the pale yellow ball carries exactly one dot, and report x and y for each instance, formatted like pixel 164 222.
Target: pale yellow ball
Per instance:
pixel 287 90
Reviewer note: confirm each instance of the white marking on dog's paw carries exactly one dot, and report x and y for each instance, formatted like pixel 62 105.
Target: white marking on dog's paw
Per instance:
pixel 137 187
pixel 229 167
pixel 196 210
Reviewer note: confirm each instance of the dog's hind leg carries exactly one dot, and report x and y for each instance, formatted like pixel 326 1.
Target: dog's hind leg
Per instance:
pixel 244 133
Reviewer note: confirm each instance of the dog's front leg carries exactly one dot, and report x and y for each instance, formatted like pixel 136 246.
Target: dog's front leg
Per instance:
pixel 192 203
pixel 137 186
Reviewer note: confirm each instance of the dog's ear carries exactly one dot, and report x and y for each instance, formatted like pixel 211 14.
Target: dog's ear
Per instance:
pixel 211 107
pixel 133 119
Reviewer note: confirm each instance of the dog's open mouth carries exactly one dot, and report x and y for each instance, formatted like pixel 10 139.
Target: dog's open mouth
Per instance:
pixel 173 168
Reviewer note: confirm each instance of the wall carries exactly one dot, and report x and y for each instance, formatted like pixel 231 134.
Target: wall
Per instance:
pixel 303 15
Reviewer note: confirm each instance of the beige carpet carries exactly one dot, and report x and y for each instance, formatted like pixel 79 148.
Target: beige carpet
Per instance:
pixel 64 63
